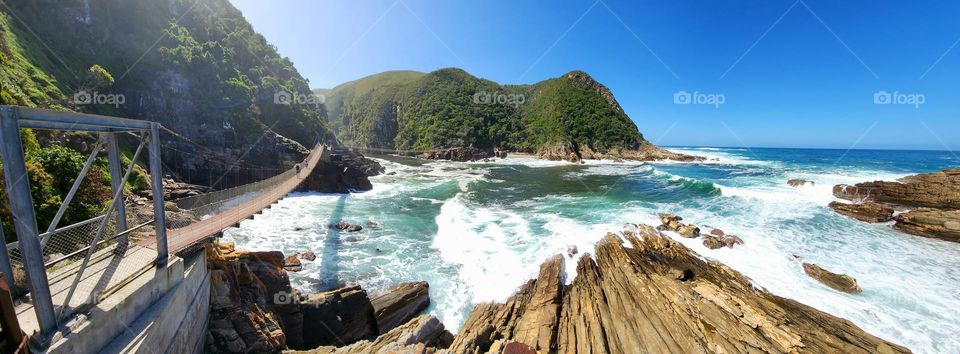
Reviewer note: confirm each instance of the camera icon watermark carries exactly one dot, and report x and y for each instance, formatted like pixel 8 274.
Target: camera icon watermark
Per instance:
pixel 699 98
pixel 296 98
pixel 85 97
pixel 487 97
pixel 884 97
pixel 285 298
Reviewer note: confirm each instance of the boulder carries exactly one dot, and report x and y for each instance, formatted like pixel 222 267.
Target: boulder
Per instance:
pixel 717 233
pixel 730 240
pixel 940 224
pixel 799 182
pixel 462 154
pixel 308 255
pixel 422 335
pixel 931 190
pixel 839 282
pixel 345 172
pixel 400 304
pixel 669 222
pixel 689 231
pixel 867 211
pixel 348 227
pixel 338 317
pixel 656 295
pixel 713 242
pixel 292 264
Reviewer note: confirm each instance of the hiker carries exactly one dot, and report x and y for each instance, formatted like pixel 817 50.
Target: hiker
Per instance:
pixel 297 167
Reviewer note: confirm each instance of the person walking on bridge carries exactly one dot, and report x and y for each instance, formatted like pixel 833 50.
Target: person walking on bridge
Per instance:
pixel 297 167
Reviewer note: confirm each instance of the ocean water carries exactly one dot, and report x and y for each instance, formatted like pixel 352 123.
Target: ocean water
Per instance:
pixel 476 231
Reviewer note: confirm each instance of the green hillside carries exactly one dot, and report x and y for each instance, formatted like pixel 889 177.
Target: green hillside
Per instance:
pixel 450 108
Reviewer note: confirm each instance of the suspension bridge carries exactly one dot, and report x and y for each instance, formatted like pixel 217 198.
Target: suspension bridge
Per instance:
pixel 68 269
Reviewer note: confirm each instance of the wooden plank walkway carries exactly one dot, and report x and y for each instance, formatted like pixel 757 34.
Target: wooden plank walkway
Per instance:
pixel 184 237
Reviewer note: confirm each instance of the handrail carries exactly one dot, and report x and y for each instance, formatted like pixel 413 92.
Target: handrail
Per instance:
pixel 74 253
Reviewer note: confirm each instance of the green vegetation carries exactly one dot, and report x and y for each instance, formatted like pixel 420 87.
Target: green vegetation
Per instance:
pixel 196 66
pixel 451 108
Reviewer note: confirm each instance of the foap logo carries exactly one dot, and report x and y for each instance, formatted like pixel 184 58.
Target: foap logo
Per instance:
pixel 284 298
pixel 699 98
pixel 884 97
pixel 486 97
pixel 85 97
pixel 288 98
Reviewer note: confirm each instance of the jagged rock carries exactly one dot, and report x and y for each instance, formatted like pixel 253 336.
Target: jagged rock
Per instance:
pixel 292 264
pixel 839 282
pixel 337 317
pixel 799 182
pixel 400 304
pixel 713 242
pixel 941 224
pixel 659 296
pixel 244 286
pixel 348 227
pixel 457 154
pixel 689 231
pixel 731 240
pixel 345 172
pixel 669 222
pixel 868 211
pixel 932 190
pixel 308 255
pixel 421 335
pixel 572 251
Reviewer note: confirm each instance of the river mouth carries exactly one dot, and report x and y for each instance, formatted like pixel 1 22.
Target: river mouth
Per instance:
pixel 476 231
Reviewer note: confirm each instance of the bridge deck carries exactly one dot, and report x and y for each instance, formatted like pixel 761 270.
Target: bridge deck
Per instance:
pixel 184 237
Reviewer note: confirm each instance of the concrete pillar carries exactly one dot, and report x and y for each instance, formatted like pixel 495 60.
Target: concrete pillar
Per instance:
pixel 117 182
pixel 156 175
pixel 24 219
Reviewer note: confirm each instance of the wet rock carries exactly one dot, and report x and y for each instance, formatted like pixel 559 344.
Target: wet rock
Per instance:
pixel 940 224
pixel 689 231
pixel 348 227
pixel 931 190
pixel 713 242
pixel 731 240
pixel 572 251
pixel 345 172
pixel 635 290
pixel 518 348
pixel 373 225
pixel 457 154
pixel 422 335
pixel 400 304
pixel 868 211
pixel 337 317
pixel 292 264
pixel 669 222
pixel 308 256
pixel 839 282
pixel 799 182
pixel 717 233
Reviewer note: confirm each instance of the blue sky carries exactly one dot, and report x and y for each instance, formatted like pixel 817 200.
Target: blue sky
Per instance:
pixel 791 73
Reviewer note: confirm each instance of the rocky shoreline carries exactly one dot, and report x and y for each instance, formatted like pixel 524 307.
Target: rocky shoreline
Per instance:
pixel 557 152
pixel 928 203
pixel 640 291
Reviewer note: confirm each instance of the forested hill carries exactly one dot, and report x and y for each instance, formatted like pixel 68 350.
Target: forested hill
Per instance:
pixel 196 66
pixel 406 110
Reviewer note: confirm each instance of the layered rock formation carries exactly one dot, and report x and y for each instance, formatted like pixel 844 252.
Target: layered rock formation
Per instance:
pixel 935 197
pixel 839 282
pixel 254 309
pixel 457 154
pixel 652 294
pixel 868 212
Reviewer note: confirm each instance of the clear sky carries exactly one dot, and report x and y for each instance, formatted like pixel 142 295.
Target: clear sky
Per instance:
pixel 791 73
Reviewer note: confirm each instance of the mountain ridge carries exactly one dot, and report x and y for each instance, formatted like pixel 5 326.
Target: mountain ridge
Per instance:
pixel 570 117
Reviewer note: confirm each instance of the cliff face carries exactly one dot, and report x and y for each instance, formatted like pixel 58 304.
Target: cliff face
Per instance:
pixel 642 292
pixel 197 67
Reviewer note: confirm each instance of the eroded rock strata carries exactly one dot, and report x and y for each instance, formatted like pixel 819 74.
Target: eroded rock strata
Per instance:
pixel 935 198
pixel 643 292
pixel 344 172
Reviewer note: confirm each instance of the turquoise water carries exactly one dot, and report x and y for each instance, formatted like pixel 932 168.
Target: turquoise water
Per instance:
pixel 476 231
